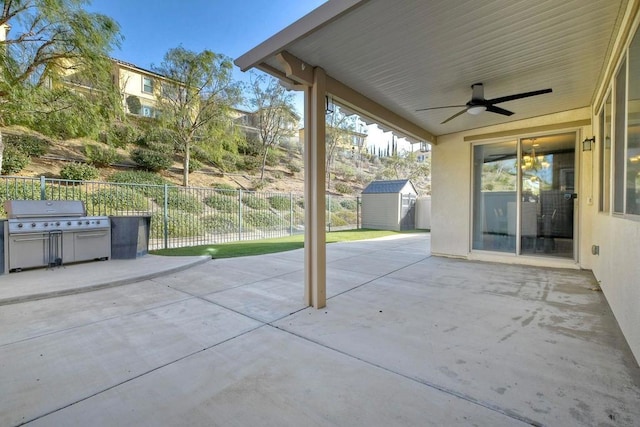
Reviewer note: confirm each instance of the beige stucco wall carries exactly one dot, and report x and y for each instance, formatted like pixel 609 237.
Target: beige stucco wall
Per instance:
pixel 381 211
pixel 131 84
pixel 617 267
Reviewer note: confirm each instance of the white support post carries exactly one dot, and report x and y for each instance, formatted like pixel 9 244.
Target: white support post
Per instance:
pixel 315 290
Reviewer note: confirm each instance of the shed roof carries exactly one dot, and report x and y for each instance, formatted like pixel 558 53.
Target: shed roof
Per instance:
pixel 393 186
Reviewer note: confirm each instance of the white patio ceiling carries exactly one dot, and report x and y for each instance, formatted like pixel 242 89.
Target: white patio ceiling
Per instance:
pixel 407 55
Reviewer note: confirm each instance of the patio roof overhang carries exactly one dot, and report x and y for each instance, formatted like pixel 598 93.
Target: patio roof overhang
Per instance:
pixel 386 60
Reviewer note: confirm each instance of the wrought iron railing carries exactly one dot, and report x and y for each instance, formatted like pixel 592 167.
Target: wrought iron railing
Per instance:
pixel 188 216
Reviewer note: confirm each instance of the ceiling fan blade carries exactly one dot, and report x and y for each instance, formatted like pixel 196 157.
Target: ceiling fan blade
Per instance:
pixel 518 96
pixel 499 110
pixel 459 113
pixel 438 108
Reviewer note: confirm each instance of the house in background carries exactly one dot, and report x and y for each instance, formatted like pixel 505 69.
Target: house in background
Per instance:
pixel 549 180
pixel 389 205
pixel 138 87
pixel 249 123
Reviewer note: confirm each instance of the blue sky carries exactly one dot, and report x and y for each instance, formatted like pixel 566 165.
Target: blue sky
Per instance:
pixel 230 27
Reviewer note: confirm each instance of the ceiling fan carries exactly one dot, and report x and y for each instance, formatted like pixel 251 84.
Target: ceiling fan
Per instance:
pixel 478 103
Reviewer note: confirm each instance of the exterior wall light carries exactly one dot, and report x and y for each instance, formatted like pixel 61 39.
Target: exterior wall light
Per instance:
pixel 587 143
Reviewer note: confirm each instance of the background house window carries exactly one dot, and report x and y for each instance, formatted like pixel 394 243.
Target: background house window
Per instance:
pixel 148 111
pixel 147 84
pixel 633 129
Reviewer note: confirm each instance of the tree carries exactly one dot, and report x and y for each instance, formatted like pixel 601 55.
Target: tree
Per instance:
pixel 407 166
pixel 195 98
pixel 340 135
pixel 275 119
pixel 47 41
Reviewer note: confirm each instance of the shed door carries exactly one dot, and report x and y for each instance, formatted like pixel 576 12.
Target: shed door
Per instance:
pixel 408 212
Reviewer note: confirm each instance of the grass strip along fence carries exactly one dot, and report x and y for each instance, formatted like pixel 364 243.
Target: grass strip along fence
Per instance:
pixel 187 216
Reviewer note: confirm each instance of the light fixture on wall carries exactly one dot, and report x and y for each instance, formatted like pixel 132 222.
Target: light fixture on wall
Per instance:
pixel 587 143
pixel 329 106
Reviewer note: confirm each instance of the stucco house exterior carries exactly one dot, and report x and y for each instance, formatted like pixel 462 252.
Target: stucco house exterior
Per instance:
pixel 389 205
pixel 551 180
pixel 138 83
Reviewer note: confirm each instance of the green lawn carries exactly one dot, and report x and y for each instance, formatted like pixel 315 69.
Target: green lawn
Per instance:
pixel 268 246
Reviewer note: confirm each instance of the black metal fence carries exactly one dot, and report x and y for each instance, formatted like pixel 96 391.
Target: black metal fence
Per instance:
pixel 188 216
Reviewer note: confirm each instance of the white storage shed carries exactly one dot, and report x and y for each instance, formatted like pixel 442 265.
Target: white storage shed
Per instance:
pixel 389 205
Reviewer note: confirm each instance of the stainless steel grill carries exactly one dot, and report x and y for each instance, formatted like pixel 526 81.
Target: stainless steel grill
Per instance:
pixel 54 232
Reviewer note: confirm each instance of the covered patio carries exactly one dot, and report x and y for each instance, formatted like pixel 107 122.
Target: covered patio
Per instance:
pixel 567 127
pixel 407 339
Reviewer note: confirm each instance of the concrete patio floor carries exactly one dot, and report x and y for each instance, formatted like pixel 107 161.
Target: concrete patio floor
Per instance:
pixel 406 339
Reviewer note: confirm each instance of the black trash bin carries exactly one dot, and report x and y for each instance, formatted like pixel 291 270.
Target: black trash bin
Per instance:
pixel 129 236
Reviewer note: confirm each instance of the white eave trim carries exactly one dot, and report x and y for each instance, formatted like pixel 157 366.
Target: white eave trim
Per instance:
pixel 306 25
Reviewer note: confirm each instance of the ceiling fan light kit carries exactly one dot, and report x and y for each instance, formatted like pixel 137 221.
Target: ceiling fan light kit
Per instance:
pixel 476 109
pixel 479 104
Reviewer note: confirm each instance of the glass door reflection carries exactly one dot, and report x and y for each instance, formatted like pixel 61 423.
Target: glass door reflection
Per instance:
pixel 547 195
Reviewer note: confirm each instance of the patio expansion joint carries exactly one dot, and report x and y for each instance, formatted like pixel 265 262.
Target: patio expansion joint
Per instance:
pixel 113 386
pixel 230 287
pixel 96 322
pixel 459 395
pixel 378 277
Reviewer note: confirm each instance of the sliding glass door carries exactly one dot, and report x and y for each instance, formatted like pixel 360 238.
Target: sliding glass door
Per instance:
pixel 523 196
pixel 495 184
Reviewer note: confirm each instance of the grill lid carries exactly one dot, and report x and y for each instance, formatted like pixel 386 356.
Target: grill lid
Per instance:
pixel 44 208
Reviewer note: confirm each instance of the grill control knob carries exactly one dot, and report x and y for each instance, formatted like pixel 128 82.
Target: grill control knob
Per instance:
pixel 79 222
pixel 57 223
pixel 97 221
pixel 87 222
pixel 46 224
pixel 68 222
pixel 20 225
pixel 33 224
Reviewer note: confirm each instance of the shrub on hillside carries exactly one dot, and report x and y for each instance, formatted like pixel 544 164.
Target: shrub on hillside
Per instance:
pixel 178 199
pixel 228 162
pixel 342 218
pixel 13 160
pixel 273 157
pixel 137 177
pixel 262 220
pixel 343 188
pixel 101 156
pixel 120 136
pixel 179 224
pixel 280 203
pixel 194 165
pixel 224 186
pixel 248 163
pixel 30 145
pixel 255 202
pixel 115 199
pixel 349 204
pixel 79 172
pixel 222 203
pixel 151 160
pixel 293 168
pixel 221 223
